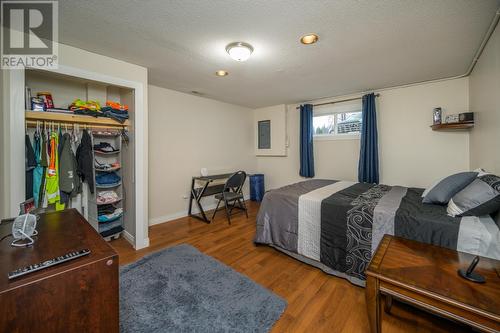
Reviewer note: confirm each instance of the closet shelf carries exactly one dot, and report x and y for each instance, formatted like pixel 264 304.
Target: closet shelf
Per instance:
pixel 101 186
pixel 74 119
pixel 98 152
pixel 108 170
pixel 107 203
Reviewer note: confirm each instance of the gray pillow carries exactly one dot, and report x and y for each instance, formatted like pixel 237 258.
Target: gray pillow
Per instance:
pixel 444 190
pixel 481 197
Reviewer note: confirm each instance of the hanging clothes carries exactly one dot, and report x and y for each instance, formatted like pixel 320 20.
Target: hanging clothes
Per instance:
pixel 60 145
pixel 30 166
pixel 52 174
pixel 44 164
pixel 38 171
pixel 85 160
pixel 69 181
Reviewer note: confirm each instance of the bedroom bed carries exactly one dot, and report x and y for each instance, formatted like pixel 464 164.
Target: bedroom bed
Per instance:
pixel 337 225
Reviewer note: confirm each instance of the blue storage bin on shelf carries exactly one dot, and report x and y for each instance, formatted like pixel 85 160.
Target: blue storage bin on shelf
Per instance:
pixel 257 188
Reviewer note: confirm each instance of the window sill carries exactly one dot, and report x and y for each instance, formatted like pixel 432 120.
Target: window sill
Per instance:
pixel 336 137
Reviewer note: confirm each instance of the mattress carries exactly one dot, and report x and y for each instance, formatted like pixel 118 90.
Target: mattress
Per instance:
pixel 337 225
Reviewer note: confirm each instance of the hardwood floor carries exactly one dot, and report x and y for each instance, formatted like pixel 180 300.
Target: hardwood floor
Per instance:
pixel 317 302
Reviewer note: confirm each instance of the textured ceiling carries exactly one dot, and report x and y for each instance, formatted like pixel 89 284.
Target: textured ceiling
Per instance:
pixel 364 44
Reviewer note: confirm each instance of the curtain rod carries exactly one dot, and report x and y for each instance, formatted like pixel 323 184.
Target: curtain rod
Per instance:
pixel 339 101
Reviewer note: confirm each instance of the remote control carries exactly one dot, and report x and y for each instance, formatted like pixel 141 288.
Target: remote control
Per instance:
pixel 48 263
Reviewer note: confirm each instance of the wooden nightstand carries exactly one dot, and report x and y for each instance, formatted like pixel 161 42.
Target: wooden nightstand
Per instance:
pixel 426 276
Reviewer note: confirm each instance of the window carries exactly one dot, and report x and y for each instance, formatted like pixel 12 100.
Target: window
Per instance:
pixel 337 122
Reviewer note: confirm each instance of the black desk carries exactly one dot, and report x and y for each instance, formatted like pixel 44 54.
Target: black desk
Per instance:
pixel 204 191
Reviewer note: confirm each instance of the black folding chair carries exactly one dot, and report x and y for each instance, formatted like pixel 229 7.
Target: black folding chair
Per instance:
pixel 232 195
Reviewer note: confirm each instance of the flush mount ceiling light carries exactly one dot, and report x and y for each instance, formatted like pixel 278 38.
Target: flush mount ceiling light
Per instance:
pixel 221 73
pixel 239 51
pixel 309 39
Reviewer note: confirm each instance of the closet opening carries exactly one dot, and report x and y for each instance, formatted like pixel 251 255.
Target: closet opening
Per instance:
pixel 80 149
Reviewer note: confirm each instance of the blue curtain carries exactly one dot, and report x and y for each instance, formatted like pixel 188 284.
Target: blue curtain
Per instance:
pixel 368 156
pixel 306 141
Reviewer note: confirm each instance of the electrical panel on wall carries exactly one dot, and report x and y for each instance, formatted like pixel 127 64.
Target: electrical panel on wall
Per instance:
pixel 264 134
pixel 270 131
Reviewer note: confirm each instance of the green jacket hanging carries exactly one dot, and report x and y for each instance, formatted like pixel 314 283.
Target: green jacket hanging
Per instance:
pixel 52 174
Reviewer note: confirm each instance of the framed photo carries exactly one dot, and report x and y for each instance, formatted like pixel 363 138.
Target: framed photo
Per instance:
pixel 437 114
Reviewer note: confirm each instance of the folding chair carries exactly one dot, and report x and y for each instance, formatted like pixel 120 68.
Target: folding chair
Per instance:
pixel 232 195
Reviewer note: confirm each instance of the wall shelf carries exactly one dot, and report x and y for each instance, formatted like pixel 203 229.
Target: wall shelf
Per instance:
pixel 74 119
pixel 453 126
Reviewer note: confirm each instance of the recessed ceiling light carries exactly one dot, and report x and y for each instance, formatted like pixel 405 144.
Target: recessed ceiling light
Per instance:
pixel 309 39
pixel 239 51
pixel 221 73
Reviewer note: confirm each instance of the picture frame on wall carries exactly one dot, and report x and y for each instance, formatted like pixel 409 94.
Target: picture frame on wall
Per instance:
pixel 437 115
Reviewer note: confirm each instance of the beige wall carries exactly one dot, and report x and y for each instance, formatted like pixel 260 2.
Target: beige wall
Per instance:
pixel 4 203
pixel 410 152
pixel 277 116
pixel 187 133
pixel 485 103
pixel 78 58
pixel 280 171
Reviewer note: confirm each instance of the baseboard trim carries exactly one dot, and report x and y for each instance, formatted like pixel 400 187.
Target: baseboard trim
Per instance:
pixel 131 239
pixel 128 236
pixel 178 215
pixel 145 243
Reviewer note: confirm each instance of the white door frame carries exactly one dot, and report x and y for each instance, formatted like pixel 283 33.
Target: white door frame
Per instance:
pixel 15 125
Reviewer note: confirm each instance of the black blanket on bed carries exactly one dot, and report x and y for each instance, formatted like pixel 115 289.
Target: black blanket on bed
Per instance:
pixel 347 247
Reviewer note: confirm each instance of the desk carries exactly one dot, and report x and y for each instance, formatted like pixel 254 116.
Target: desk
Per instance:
pixel 204 191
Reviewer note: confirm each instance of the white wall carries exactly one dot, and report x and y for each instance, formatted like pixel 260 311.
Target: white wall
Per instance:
pixel 485 103
pixel 410 153
pixel 333 159
pixel 64 91
pixel 282 170
pixel 187 133
pixel 277 116
pixel 4 202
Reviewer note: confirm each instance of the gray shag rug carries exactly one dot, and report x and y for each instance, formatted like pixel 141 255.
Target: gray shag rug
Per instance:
pixel 180 289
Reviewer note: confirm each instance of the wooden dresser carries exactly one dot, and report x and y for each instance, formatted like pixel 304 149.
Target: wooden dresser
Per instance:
pixel 80 295
pixel 426 276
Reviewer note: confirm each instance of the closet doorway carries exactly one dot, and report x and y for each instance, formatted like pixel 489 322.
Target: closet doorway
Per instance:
pixel 117 144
